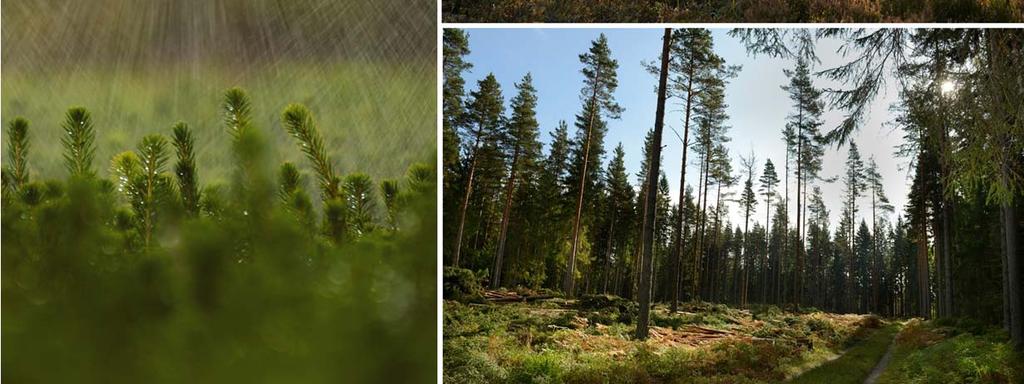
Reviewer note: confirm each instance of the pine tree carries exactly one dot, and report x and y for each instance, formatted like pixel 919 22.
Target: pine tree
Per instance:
pixel 486 113
pixel 695 65
pixel 454 49
pixel 600 82
pixel 805 121
pixel 655 161
pixel 709 118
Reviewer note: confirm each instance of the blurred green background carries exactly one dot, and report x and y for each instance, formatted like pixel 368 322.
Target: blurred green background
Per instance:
pixel 365 69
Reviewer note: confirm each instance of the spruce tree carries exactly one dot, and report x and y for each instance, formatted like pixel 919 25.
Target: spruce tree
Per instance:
pixel 79 142
pixel 17 152
pixel 185 168
pixel 748 200
pixel 520 144
pixel 769 179
pixel 155 189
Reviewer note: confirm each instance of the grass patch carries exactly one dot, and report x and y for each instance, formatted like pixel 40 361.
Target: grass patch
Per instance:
pixel 927 352
pixel 855 364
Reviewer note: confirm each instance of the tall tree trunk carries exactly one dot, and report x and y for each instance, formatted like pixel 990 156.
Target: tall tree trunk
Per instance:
pixel 465 199
pixel 1005 271
pixel 570 275
pixel 799 271
pixel 875 260
pixel 505 214
pixel 652 185
pixel 680 218
pixel 746 262
pixel 703 224
pixel 767 246
pixel 1012 263
pixel 785 234
pixel 608 253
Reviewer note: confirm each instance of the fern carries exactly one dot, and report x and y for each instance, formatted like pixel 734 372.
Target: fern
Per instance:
pixel 78 142
pixel 185 169
pixel 298 121
pixel 17 150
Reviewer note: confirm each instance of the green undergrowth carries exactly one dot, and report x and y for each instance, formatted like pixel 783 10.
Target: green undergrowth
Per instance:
pixel 590 340
pixel 950 351
pixel 855 364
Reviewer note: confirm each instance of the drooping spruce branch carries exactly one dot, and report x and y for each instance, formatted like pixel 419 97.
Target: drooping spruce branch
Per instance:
pixel 185 168
pixel 78 141
pixel 17 151
pixel 298 121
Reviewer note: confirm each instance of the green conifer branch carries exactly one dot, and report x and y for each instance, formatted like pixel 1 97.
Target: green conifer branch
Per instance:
pixel 153 155
pixel 298 121
pixel 185 168
pixel 359 191
pixel 237 111
pixel 290 179
pixel 78 141
pixel 17 151
pixel 389 190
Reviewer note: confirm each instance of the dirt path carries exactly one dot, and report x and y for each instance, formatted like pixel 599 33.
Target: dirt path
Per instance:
pixel 882 364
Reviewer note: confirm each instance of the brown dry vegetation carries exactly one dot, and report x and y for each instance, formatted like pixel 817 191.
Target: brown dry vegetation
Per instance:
pixel 590 340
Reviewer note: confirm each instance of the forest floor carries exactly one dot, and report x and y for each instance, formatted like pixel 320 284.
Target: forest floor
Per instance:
pixel 507 338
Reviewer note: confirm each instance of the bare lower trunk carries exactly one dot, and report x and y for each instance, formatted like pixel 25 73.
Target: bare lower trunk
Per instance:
pixel 680 218
pixel 505 217
pixel 652 184
pixel 570 275
pixel 462 212
pixel 1013 268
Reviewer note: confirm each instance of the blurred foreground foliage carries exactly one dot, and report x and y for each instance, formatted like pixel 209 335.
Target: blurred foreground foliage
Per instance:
pixel 136 279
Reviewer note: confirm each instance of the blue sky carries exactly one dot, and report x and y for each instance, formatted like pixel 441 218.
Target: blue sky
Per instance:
pixel 757 106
